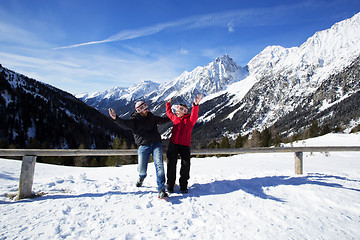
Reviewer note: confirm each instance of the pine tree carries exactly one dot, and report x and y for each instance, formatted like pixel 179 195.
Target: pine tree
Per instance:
pixel 325 130
pixel 225 143
pixel 265 138
pixel 356 129
pixel 213 144
pixel 239 141
pixel 277 140
pixel 118 160
pixel 33 144
pixel 314 129
pixel 117 143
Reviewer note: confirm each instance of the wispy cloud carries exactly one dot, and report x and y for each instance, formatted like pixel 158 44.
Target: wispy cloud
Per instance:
pixel 130 34
pixel 228 20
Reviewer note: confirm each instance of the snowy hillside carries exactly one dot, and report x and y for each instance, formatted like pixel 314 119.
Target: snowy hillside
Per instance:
pixel 250 196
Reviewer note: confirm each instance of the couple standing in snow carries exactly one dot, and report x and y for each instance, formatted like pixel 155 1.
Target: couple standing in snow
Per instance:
pixel 143 124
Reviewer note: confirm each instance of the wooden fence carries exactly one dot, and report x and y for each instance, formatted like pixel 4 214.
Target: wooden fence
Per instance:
pixel 29 157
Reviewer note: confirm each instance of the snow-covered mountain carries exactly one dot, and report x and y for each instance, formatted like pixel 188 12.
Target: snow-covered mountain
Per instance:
pixel 206 80
pixel 214 77
pixel 117 93
pixel 277 84
pixel 103 100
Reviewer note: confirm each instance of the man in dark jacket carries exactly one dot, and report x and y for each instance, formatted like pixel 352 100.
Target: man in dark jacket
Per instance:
pixel 143 124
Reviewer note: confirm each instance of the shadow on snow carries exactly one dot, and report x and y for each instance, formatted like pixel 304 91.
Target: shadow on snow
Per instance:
pixel 257 186
pixel 254 186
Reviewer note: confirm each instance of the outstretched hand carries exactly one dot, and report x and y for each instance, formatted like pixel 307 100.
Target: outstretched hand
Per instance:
pixel 112 113
pixel 197 99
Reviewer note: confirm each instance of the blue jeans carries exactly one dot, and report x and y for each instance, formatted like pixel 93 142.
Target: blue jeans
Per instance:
pixel 144 152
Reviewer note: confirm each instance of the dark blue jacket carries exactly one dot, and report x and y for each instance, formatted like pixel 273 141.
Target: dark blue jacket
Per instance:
pixel 144 128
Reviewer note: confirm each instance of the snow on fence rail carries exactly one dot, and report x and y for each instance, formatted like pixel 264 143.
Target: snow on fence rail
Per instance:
pixel 29 157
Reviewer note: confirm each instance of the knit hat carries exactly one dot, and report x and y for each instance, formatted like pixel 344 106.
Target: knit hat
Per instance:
pixel 182 108
pixel 140 106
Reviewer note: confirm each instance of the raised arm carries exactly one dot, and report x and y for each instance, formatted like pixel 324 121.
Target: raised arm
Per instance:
pixel 195 110
pixel 169 112
pixel 125 124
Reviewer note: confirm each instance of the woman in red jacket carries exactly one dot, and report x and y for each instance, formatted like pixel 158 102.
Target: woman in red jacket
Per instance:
pixel 180 142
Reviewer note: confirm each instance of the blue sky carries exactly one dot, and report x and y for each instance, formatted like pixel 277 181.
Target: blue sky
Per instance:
pixel 87 45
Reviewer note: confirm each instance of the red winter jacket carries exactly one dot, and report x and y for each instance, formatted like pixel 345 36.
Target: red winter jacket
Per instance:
pixel 182 128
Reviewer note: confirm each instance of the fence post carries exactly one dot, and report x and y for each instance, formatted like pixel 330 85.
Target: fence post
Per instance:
pixel 298 163
pixel 26 177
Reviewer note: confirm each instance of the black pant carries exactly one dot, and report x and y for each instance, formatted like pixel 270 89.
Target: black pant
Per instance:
pixel 172 155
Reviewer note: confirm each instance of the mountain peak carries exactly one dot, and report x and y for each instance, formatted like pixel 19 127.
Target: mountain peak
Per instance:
pixel 224 58
pixel 225 63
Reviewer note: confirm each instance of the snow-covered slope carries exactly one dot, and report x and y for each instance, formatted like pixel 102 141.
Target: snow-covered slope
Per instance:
pixel 248 196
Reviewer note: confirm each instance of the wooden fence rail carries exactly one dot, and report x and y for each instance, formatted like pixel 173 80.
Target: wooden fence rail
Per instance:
pixel 29 157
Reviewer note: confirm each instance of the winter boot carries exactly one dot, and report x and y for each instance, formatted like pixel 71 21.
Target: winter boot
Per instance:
pixel 139 182
pixel 163 194
pixel 170 189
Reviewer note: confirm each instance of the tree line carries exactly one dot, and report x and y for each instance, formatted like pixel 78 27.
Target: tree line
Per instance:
pixel 37 116
pixel 269 137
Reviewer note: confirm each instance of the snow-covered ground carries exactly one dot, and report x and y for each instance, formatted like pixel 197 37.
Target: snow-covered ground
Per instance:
pixel 250 196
